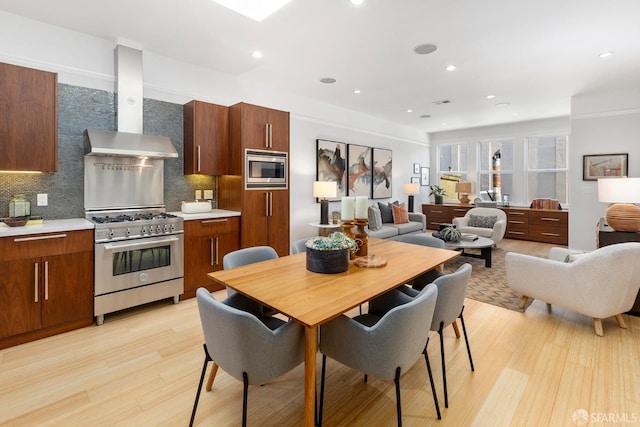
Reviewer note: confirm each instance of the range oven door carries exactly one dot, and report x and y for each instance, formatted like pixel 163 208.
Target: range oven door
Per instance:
pixel 133 263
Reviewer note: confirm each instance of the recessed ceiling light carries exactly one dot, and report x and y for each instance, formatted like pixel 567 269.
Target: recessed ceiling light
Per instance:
pixel 444 124
pixel 605 54
pixel 357 2
pixel 425 116
pixel 451 67
pixel 409 110
pixel 356 91
pixel 254 9
pixel 425 49
pixel 328 80
pixel 257 54
pixel 490 96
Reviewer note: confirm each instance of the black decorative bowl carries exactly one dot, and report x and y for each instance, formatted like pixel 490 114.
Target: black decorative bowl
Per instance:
pixel 16 222
pixel 327 262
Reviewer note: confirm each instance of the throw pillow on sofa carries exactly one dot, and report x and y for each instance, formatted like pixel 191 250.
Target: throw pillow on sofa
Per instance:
pixel 375 218
pixel 400 214
pixel 385 212
pixel 482 221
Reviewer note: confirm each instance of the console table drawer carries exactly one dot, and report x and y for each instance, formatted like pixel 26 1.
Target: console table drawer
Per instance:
pixel 556 235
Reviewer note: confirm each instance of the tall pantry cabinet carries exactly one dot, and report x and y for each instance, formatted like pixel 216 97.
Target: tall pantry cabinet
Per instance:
pixel 265 212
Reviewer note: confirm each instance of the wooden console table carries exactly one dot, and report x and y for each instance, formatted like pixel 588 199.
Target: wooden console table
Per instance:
pixel 537 225
pixel 608 236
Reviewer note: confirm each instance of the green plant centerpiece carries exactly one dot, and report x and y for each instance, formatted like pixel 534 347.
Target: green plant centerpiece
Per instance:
pixel 448 234
pixel 438 193
pixel 329 254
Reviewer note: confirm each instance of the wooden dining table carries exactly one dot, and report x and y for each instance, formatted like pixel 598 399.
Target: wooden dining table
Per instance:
pixel 312 299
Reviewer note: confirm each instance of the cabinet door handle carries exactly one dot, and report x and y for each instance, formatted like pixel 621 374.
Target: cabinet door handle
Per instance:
pixel 270 203
pixel 266 135
pixel 516 213
pixel 516 222
pixel 549 219
pixel 35 283
pixel 516 232
pixel 459 210
pixel 198 158
pixel 217 251
pixel 28 239
pixel 270 135
pixel 210 221
pixel 211 251
pixel 266 204
pixel 46 280
pixel 436 212
pixel 551 234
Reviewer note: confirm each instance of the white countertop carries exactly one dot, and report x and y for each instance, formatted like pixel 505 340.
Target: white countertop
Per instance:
pixel 213 213
pixel 48 226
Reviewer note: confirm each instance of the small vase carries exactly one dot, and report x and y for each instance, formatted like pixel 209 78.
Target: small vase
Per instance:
pixel 439 199
pixel 361 237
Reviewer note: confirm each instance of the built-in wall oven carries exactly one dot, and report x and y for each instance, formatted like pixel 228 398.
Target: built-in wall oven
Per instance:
pixel 265 169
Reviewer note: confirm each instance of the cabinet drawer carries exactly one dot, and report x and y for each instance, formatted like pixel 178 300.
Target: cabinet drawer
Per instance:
pixel 556 235
pixel 522 234
pixel 46 244
pixel 206 227
pixel 549 218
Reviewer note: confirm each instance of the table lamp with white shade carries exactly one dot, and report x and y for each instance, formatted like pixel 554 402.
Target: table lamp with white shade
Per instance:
pixel 325 190
pixel 463 188
pixel 411 189
pixel 623 193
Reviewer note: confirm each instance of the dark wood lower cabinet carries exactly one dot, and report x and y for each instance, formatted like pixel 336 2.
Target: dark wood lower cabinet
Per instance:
pixel 46 286
pixel 206 242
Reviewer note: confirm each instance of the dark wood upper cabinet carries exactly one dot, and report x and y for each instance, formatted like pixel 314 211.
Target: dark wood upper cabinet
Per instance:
pixel 206 146
pixel 28 119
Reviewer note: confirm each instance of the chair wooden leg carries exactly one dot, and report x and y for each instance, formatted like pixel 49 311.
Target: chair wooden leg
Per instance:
pixel 597 324
pixel 621 321
pixel 523 301
pixel 212 376
pixel 456 329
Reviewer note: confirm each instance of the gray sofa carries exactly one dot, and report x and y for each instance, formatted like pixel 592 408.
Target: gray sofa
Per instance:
pixel 417 224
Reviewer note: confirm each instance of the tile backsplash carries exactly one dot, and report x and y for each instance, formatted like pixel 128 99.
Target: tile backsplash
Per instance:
pixel 81 108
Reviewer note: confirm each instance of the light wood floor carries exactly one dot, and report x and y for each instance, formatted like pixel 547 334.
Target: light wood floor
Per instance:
pixel 142 368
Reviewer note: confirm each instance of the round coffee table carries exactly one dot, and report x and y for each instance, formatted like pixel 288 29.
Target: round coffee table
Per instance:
pixel 482 243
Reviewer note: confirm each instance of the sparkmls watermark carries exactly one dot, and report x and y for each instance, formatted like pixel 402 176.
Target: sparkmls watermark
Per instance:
pixel 582 417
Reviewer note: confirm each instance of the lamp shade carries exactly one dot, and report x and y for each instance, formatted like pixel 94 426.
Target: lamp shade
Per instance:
pixel 619 190
pixel 325 189
pixel 463 187
pixel 411 188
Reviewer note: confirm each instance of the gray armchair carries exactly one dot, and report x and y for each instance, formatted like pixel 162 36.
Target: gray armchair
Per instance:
pixel 452 289
pixel 384 346
pixel 248 349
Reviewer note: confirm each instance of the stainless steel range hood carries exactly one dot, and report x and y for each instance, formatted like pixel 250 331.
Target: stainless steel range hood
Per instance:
pixel 128 141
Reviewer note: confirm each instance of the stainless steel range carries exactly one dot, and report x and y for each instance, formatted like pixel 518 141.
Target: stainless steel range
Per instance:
pixel 138 258
pixel 139 248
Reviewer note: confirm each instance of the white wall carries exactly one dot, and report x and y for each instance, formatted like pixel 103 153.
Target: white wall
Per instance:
pixel 84 60
pixel 601 123
pixel 517 132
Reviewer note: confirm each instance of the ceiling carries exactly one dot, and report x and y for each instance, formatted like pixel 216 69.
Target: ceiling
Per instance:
pixel 532 55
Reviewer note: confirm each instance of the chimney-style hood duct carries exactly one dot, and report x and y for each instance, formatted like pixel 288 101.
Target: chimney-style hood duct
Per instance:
pixel 128 141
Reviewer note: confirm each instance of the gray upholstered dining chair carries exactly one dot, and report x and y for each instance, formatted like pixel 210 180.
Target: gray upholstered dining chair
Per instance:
pixel 424 240
pixel 298 246
pixel 250 349
pixel 385 345
pixel 452 289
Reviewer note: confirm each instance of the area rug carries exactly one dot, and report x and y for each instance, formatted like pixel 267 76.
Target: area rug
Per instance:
pixel 489 285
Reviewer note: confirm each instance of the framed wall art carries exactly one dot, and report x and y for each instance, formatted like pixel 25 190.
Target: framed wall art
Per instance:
pixel 359 171
pixel 424 176
pixel 596 166
pixel 382 166
pixel 415 180
pixel 416 168
pixel 331 163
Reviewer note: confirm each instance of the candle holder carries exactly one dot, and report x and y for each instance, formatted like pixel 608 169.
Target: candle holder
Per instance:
pixel 347 230
pixel 361 237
